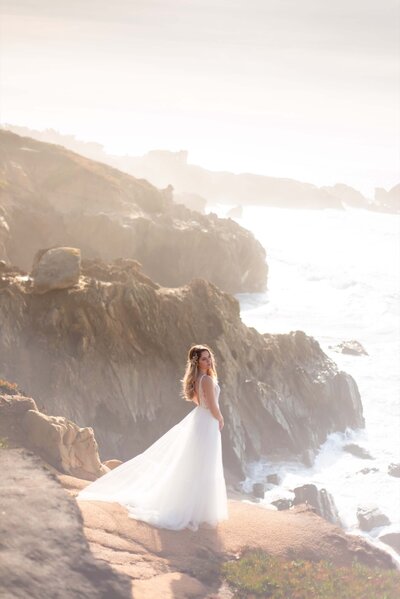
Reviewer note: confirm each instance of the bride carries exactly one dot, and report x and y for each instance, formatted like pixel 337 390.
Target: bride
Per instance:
pixel 178 482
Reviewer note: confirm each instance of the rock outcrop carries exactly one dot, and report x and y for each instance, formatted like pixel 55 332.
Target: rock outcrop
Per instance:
pixel 320 499
pixel 394 470
pixel 170 564
pixel 56 268
pixel 352 347
pixel 43 551
pixel 388 200
pixel 110 352
pixel 50 196
pixel 358 451
pixel 370 517
pixel 60 442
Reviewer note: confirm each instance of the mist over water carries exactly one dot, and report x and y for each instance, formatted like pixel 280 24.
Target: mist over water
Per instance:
pixel 336 275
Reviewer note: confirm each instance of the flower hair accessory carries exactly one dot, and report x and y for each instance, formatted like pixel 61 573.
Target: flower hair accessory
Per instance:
pixel 194 359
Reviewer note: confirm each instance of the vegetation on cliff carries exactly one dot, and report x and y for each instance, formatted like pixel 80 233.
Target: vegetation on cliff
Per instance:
pixel 257 574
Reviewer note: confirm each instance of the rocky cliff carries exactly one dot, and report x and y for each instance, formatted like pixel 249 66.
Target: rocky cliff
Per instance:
pixel 43 550
pixel 163 168
pixel 50 196
pixel 109 353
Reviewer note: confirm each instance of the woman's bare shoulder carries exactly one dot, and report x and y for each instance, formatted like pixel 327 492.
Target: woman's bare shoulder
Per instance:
pixel 207 380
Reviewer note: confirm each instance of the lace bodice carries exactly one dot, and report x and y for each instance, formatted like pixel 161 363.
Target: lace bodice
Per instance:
pixel 202 400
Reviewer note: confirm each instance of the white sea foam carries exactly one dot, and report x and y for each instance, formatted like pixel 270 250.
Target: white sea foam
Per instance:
pixel 336 276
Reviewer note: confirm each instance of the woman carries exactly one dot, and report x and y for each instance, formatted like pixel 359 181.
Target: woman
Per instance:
pixel 178 482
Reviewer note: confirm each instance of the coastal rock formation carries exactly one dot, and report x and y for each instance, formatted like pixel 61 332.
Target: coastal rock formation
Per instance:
pixel 352 347
pixel 394 470
pixel 388 200
pixel 320 499
pixel 110 352
pixel 4 234
pixel 358 451
pixel 392 539
pixel 56 439
pixel 161 559
pixel 50 197
pixel 370 517
pixel 56 268
pixel 43 549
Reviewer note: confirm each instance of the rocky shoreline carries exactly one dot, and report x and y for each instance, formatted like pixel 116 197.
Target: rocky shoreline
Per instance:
pixel 111 555
pixel 108 352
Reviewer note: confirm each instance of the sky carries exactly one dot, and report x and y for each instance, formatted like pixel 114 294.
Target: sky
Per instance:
pixel 303 89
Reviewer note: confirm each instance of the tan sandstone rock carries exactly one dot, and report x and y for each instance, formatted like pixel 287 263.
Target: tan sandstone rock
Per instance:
pixel 56 268
pixel 64 444
pixel 111 464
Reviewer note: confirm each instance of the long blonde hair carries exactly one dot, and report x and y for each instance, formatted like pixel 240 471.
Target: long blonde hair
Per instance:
pixel 192 370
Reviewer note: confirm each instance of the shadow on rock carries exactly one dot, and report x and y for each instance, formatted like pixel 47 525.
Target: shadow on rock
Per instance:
pixel 43 550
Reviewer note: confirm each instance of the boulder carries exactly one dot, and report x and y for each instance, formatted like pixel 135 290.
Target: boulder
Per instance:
pixel 273 479
pixel 258 490
pixel 282 504
pixel 320 499
pixel 357 451
pixel 15 405
pixel 350 347
pixel 56 268
pixel 64 444
pixel 370 517
pixel 392 539
pixel 394 470
pixel 367 470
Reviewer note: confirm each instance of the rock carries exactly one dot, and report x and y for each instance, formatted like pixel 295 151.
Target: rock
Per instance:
pixel 388 201
pixel 96 354
pixel 43 549
pixel 320 499
pixel 15 405
pixel 235 212
pixel 392 539
pixel 394 470
pixel 258 490
pixel 59 198
pixel 370 517
pixel 357 451
pixel 368 470
pixel 193 201
pixel 293 533
pixel 350 347
pixel 111 464
pixel 63 444
pixel 274 479
pixel 282 504
pixel 4 238
pixel 56 268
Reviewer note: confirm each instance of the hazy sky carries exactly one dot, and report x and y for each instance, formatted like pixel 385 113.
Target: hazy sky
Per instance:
pixel 306 89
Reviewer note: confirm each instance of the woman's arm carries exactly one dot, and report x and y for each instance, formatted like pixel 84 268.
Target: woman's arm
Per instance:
pixel 209 396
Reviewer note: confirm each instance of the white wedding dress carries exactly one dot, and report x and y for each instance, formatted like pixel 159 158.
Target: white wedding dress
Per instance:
pixel 178 482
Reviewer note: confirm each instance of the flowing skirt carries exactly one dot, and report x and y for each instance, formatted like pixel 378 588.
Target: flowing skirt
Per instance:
pixel 178 482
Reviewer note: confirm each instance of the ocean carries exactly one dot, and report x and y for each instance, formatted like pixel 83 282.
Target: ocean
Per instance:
pixel 336 275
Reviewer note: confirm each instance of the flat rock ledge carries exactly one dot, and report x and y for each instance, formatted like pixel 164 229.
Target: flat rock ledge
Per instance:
pixel 43 551
pixel 185 564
